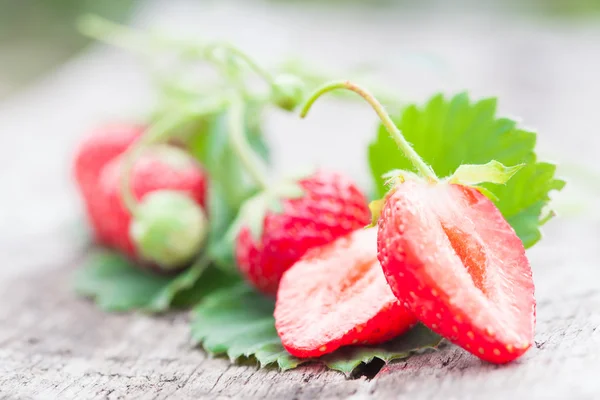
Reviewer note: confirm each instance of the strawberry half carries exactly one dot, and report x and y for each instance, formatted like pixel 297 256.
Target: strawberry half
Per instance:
pixel 337 295
pixel 330 206
pixel 450 256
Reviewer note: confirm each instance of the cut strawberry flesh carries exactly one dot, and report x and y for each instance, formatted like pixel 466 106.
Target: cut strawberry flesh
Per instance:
pixel 337 295
pixel 451 257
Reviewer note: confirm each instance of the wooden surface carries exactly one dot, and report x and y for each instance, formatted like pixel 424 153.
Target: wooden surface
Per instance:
pixel 55 345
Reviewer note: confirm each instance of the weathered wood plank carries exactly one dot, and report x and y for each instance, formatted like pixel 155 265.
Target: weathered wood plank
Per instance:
pixel 53 344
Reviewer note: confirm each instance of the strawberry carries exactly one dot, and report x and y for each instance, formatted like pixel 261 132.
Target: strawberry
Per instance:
pixel 450 256
pixel 161 168
pixel 99 147
pixel 329 206
pixel 336 295
pixel 447 252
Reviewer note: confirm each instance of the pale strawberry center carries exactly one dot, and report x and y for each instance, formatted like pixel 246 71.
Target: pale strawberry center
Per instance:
pixel 357 277
pixel 471 252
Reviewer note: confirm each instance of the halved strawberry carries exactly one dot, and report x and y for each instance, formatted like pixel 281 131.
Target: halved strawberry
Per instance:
pixel 450 256
pixel 336 295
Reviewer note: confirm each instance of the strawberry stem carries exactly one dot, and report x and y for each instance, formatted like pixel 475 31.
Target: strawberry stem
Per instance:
pixel 386 120
pixel 253 65
pixel 125 37
pixel 160 131
pixel 122 36
pixel 248 157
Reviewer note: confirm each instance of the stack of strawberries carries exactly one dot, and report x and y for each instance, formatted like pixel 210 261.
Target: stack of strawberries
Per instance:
pixel 343 271
pixel 441 253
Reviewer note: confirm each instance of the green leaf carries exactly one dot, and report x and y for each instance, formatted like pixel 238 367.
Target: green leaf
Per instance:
pixel 229 186
pixel 117 285
pixel 220 240
pixel 448 133
pixel 492 172
pixel 414 341
pixel 211 146
pixel 238 322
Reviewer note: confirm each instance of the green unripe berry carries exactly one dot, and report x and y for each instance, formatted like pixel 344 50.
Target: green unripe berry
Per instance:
pixel 169 229
pixel 288 91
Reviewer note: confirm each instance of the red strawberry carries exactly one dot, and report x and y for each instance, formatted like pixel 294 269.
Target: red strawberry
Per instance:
pixel 160 168
pixel 337 295
pixel 102 145
pixel 330 207
pixel 98 148
pixel 450 256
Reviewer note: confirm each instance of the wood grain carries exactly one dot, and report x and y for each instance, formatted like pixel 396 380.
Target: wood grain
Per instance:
pixel 55 345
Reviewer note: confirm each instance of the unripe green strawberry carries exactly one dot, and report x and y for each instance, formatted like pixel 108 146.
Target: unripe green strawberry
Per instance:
pixel 169 228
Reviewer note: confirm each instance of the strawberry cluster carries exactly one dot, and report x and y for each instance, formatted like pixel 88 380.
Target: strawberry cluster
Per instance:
pixel 343 271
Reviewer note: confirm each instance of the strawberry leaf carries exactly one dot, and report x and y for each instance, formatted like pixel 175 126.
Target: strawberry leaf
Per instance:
pixel 211 145
pixel 229 187
pixel 117 285
pixel 448 133
pixel 238 322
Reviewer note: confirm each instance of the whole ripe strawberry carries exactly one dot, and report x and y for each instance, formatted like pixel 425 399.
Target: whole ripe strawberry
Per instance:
pixel 159 173
pixel 330 206
pixel 97 148
pixel 451 258
pixel 336 295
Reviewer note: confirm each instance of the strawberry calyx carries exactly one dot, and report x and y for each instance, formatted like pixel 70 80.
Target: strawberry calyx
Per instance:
pixel 269 201
pixel 252 215
pixel 256 208
pixel 475 174
pixel 471 175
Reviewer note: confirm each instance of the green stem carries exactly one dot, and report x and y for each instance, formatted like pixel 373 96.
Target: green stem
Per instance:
pixel 157 132
pixel 313 76
pixel 122 36
pixel 387 122
pixel 160 131
pixel 253 65
pixel 248 157
pixel 184 281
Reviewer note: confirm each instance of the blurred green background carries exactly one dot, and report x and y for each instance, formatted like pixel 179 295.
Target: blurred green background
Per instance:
pixel 38 35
